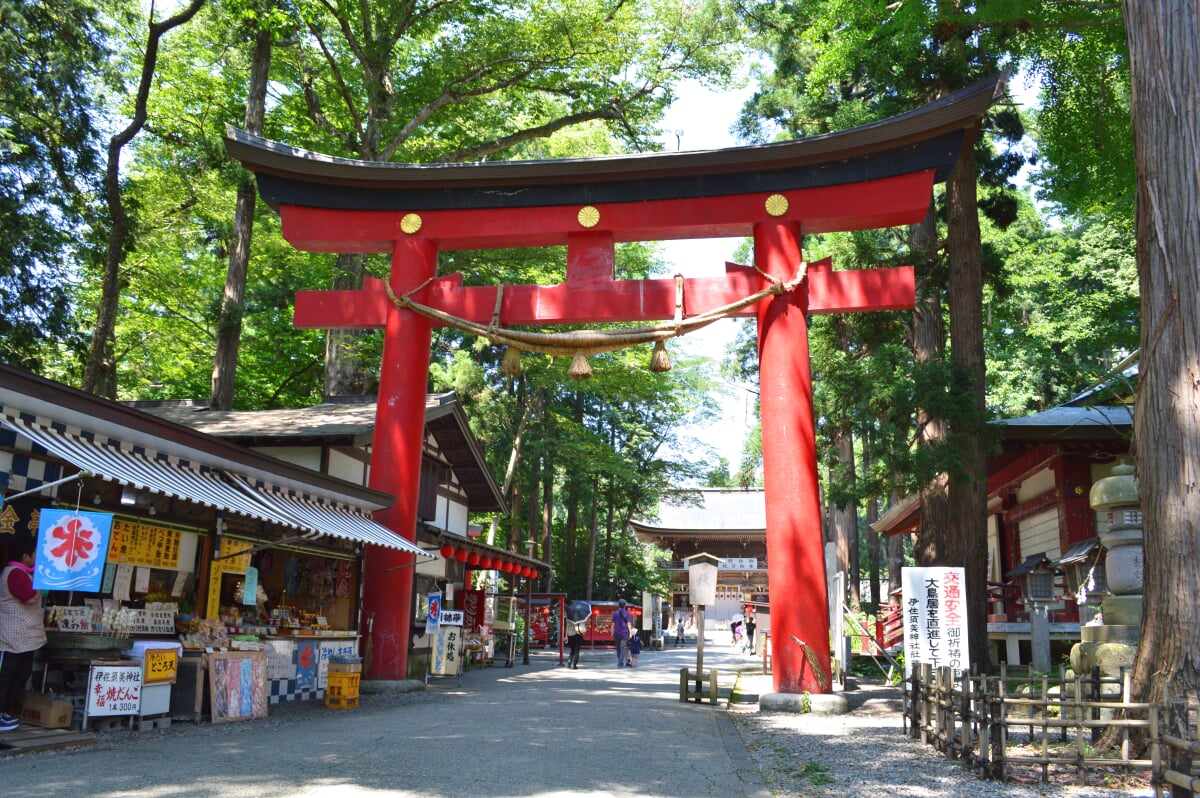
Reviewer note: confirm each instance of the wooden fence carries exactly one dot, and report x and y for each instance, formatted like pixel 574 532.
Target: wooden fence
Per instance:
pixel 1024 726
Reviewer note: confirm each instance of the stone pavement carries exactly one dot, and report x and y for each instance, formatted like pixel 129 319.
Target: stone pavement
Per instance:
pixel 527 730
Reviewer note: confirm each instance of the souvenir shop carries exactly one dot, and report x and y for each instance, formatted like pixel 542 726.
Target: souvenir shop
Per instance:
pixel 193 577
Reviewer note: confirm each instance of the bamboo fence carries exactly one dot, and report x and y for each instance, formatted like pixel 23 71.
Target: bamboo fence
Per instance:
pixel 1023 725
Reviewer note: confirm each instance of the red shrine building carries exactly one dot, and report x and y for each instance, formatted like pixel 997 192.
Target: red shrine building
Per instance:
pixel 877 175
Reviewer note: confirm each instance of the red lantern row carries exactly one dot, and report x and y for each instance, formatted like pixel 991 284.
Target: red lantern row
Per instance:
pixel 486 563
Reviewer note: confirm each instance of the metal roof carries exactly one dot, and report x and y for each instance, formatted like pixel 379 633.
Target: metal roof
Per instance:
pixel 349 422
pixel 709 511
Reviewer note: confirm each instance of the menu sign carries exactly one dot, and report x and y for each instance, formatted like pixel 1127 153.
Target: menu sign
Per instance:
pixel 133 543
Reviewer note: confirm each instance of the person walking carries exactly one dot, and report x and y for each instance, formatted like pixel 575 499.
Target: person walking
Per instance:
pixel 574 644
pixel 22 631
pixel 635 649
pixel 622 625
pixel 751 626
pixel 679 628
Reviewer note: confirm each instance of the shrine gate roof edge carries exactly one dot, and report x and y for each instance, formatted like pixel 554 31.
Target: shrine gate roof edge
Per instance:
pixel 928 137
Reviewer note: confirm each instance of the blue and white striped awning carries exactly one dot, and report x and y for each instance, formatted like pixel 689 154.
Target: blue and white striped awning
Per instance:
pixel 224 491
pixel 334 520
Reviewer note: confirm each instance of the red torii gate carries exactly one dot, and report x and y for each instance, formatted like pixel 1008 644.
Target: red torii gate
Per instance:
pixel 875 176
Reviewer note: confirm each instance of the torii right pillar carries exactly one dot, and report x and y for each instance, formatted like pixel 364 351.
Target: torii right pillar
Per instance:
pixel 796 561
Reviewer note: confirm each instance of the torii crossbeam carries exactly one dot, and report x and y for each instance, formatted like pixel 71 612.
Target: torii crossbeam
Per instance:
pixel 875 176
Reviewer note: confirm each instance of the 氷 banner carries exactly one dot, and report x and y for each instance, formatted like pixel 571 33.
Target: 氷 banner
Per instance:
pixel 72 547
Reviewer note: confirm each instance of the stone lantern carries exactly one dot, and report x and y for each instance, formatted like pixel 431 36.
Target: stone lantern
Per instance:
pixel 1083 567
pixel 1111 644
pixel 1037 591
pixel 1119 519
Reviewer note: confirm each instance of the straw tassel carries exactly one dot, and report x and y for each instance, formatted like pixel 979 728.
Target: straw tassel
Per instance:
pixel 660 361
pixel 511 365
pixel 580 368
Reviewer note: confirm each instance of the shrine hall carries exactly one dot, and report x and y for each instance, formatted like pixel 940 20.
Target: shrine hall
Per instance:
pixel 877 175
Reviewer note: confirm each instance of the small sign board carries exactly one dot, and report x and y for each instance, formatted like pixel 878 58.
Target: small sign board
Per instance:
pixel 702 579
pixel 114 689
pixel 161 666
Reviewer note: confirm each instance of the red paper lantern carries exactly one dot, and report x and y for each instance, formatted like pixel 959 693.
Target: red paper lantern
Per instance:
pixel 473 559
pixel 485 563
pixel 509 568
pixel 447 550
pixel 531 572
pixel 461 555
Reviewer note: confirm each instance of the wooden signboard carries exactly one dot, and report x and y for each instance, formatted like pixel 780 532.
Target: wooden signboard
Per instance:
pixel 237 685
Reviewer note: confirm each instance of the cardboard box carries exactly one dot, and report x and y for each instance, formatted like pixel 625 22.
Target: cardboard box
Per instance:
pixel 43 709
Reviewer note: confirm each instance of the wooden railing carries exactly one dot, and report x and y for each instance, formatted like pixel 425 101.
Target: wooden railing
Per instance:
pixel 1023 726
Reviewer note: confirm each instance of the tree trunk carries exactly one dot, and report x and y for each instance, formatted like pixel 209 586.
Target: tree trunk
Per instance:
pixel 229 326
pixel 1165 68
pixel 967 530
pixel 845 520
pixel 547 511
pixel 874 559
pixel 344 371
pixel 100 371
pixel 929 343
pixel 590 578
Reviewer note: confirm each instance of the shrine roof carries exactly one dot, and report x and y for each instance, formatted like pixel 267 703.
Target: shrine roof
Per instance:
pixel 708 512
pixel 926 138
pixel 350 421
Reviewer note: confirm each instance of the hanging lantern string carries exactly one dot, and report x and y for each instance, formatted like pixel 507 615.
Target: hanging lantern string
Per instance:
pixel 570 343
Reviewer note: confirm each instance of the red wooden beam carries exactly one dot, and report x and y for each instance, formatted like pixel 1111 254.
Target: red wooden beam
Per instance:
pixel 613 301
pixel 887 202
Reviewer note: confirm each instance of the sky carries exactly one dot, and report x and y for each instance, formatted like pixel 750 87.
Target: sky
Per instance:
pixel 701 119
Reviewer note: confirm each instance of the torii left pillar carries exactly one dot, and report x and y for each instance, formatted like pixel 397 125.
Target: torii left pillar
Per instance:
pixel 396 462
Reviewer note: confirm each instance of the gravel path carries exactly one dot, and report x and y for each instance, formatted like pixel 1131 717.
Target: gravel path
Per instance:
pixel 866 754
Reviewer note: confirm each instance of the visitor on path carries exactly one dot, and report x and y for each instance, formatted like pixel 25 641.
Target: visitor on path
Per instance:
pixel 679 627
pixel 574 644
pixel 635 648
pixel 751 626
pixel 21 629
pixel 736 628
pixel 622 623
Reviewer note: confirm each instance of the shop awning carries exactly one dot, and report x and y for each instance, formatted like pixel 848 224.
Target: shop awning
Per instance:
pixel 139 471
pixel 207 488
pixel 328 519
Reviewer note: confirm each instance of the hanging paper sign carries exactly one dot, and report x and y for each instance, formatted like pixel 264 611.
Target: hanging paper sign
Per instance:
pixel 71 549
pixel 250 585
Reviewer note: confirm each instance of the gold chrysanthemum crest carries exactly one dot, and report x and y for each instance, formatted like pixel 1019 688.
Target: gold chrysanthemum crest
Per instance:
pixel 588 216
pixel 776 205
pixel 410 223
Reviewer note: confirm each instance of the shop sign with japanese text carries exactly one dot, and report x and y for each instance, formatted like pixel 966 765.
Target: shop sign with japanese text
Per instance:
pixel 114 690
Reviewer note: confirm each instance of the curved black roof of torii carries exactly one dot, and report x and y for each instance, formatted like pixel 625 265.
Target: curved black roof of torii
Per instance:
pixel 929 137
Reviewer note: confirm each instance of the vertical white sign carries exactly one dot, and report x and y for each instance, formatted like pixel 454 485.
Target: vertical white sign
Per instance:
pixel 935 618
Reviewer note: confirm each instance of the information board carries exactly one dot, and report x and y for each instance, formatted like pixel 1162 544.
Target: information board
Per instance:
pixel 935 617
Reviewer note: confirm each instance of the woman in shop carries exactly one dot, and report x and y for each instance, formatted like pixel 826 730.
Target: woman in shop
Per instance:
pixel 22 632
